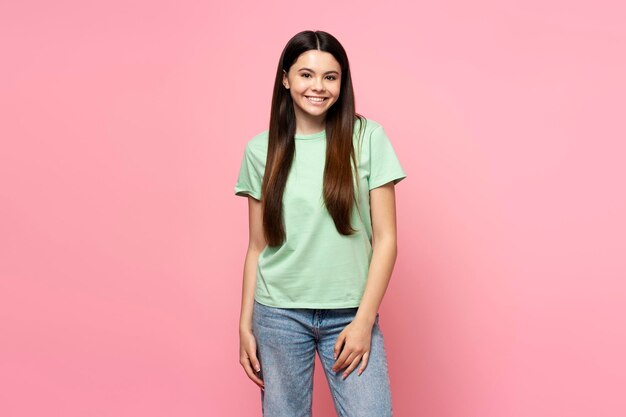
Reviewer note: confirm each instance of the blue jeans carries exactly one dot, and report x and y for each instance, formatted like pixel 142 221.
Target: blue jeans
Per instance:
pixel 287 339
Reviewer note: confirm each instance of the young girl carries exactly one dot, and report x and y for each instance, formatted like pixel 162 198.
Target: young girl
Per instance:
pixel 322 225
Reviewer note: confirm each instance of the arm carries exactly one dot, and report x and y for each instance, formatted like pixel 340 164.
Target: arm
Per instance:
pixel 383 209
pixel 256 243
pixel 357 335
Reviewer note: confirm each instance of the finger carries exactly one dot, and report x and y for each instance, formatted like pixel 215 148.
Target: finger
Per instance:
pixel 341 359
pixel 252 375
pixel 366 356
pixel 344 360
pixel 337 348
pixel 258 381
pixel 254 361
pixel 353 365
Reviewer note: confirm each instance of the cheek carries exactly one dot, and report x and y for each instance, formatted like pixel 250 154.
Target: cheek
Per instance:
pixel 298 91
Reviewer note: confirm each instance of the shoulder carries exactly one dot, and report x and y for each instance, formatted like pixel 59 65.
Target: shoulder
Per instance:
pixel 257 145
pixel 259 140
pixel 370 131
pixel 367 125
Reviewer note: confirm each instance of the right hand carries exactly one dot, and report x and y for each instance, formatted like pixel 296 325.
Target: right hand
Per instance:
pixel 248 358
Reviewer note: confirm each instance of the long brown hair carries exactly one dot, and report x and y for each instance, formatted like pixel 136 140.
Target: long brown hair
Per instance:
pixel 339 188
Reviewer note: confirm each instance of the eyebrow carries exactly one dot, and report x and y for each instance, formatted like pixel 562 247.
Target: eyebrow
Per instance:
pixel 327 72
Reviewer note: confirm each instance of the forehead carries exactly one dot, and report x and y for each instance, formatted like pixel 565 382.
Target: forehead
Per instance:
pixel 318 61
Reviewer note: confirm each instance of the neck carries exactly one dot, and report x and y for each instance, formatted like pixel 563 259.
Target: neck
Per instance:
pixel 307 124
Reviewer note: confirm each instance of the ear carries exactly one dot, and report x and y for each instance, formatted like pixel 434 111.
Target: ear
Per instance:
pixel 285 79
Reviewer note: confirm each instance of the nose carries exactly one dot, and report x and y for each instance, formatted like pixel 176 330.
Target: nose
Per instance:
pixel 318 85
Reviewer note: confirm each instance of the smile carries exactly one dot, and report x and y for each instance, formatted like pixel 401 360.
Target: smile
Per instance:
pixel 316 100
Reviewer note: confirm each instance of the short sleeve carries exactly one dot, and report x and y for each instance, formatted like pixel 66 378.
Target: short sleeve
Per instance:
pixel 250 176
pixel 384 163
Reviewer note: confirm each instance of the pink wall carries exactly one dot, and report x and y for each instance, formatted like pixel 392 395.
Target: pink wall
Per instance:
pixel 122 243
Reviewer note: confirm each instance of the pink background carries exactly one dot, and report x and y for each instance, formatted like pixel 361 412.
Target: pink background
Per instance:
pixel 122 242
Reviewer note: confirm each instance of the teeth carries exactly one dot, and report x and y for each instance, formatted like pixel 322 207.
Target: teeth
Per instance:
pixel 316 99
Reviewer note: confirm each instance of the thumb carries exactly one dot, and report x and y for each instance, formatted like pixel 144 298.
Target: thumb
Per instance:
pixel 252 357
pixel 255 363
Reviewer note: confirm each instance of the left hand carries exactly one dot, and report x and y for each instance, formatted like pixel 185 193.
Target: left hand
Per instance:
pixel 357 337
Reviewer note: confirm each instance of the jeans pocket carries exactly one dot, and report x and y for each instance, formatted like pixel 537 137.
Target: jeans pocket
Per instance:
pixel 262 312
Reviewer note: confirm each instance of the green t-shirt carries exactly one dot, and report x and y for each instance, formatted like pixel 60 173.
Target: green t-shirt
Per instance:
pixel 316 266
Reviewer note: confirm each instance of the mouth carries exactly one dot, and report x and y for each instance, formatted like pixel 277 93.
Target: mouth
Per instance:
pixel 316 100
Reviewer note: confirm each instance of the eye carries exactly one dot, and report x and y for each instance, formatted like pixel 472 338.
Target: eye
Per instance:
pixel 307 75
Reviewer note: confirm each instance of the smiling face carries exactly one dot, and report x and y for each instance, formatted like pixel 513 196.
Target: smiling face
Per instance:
pixel 314 82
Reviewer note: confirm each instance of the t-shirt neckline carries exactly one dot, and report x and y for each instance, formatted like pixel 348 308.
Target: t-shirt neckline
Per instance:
pixel 309 136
